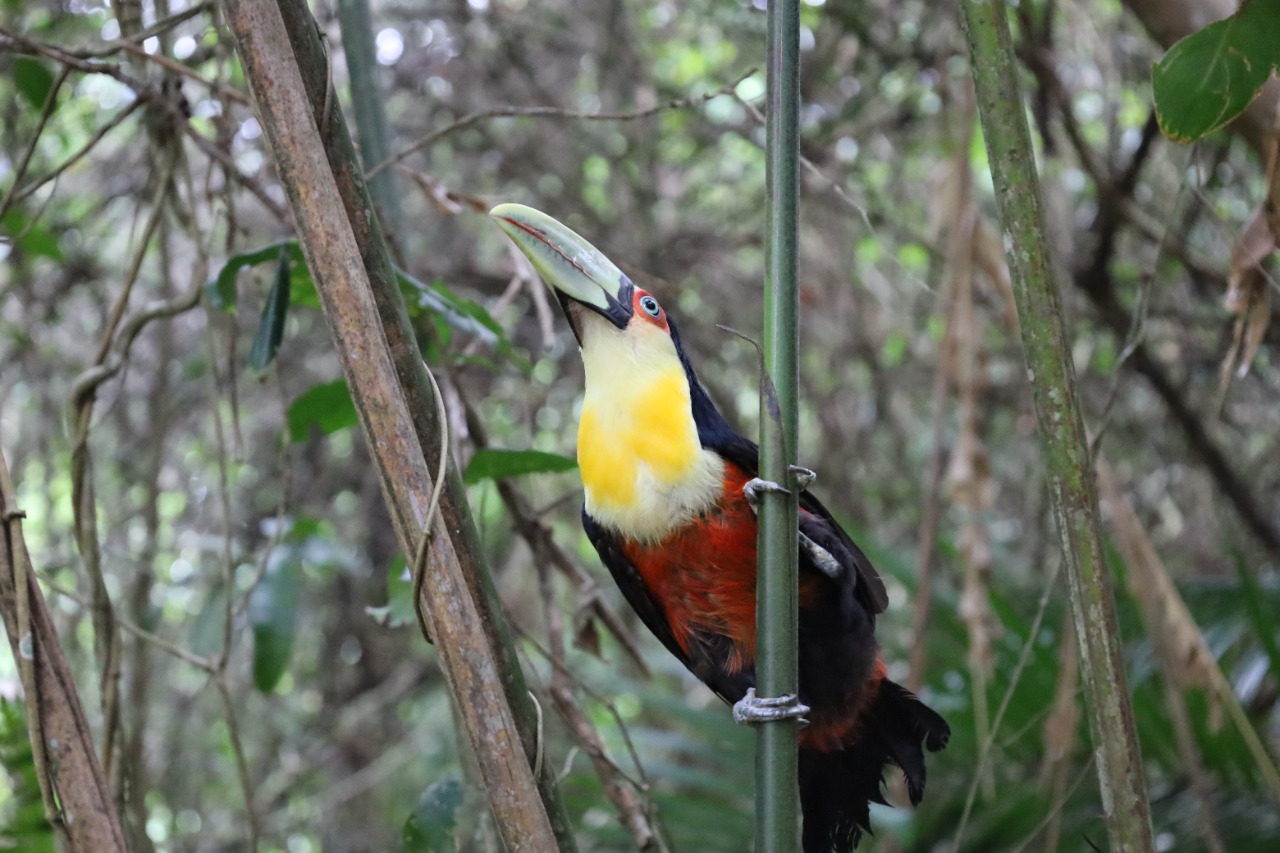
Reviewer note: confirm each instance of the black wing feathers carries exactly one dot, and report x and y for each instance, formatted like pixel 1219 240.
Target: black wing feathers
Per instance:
pixel 707 651
pixel 632 585
pixel 816 522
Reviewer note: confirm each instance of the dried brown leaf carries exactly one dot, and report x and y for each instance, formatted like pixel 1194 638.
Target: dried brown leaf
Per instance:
pixel 988 257
pixel 949 196
pixel 1063 722
pixel 1248 297
pixel 1180 646
pixel 586 631
pixel 1255 245
pixel 1256 321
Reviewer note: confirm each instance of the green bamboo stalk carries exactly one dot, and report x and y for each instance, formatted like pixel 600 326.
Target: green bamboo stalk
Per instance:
pixel 777 804
pixel 367 108
pixel 1073 491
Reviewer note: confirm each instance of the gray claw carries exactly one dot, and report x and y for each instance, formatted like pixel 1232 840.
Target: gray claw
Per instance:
pixel 752 709
pixel 756 487
pixel 804 477
pixel 822 558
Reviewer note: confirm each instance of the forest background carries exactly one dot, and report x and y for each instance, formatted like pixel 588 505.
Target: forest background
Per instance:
pixel 163 360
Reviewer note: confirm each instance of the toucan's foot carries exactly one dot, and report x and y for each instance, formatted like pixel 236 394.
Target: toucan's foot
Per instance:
pixel 804 477
pixel 821 557
pixel 752 709
pixel 755 487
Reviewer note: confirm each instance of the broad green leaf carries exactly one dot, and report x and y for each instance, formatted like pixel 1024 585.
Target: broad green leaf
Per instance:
pixel 273 616
pixel 22 822
pixel 499 464
pixel 221 289
pixel 207 631
pixel 429 829
pixel 400 608
pixel 328 406
pixel 266 343
pixel 33 79
pixel 1209 77
pixel 463 315
pixel 1262 617
pixel 33 238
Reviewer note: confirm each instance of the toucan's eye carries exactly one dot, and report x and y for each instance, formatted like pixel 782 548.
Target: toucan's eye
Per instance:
pixel 650 305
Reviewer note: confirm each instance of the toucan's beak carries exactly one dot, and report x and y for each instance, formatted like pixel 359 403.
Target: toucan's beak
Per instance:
pixel 573 268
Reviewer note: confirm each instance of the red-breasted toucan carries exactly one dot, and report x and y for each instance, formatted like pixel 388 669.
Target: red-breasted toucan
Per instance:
pixel 664 476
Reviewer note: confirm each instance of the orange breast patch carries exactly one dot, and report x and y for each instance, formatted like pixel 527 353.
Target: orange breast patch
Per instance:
pixel 704 574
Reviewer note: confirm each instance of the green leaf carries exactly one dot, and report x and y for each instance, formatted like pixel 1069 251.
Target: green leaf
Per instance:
pixel 206 636
pixel 221 289
pixel 266 343
pixel 400 608
pixel 1209 77
pixel 33 79
pixel 1259 614
pixel 499 464
pixel 328 406
pixel 32 238
pixel 463 315
pixel 22 822
pixel 273 616
pixel 429 829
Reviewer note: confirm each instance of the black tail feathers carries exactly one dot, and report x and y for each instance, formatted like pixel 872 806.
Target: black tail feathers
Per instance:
pixel 837 787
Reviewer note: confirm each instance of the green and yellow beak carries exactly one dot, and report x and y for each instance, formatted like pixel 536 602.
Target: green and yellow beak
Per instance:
pixel 576 271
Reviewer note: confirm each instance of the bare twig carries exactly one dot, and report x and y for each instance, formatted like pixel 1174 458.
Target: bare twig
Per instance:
pixel 643 824
pixel 554 112
pixel 242 766
pixel 1024 657
pixel 137 38
pixel 540 541
pixel 420 555
pixel 171 648
pixel 112 123
pixel 21 43
pixel 50 101
pixel 837 187
pixel 84 502
pixel 178 69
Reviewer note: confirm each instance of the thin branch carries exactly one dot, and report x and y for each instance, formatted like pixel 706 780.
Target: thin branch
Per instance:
pixel 553 112
pixel 1056 809
pixel 167 646
pixel 540 541
pixel 133 40
pixel 242 766
pixel 50 101
pixel 16 196
pixel 23 44
pixel 84 500
pixel 420 555
pixel 1024 658
pixel 564 681
pixel 630 809
pixel 178 69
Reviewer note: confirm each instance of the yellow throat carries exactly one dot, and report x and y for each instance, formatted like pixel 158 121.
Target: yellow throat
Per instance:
pixel 643 469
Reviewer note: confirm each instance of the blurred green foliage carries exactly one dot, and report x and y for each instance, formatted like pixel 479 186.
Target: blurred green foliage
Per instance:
pixel 345 721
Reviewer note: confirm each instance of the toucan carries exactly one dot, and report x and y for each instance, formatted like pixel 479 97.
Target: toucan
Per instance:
pixel 670 506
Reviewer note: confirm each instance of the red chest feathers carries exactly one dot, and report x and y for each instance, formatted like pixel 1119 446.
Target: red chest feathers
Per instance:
pixel 704 574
